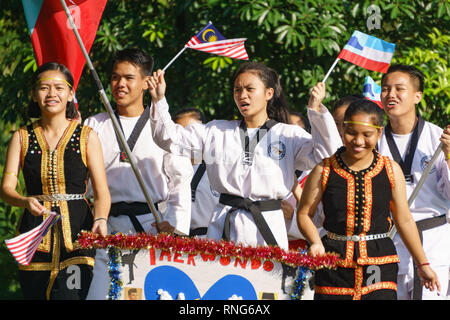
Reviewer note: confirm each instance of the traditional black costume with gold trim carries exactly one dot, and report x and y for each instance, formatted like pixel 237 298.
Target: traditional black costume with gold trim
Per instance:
pixel 356 203
pixel 51 174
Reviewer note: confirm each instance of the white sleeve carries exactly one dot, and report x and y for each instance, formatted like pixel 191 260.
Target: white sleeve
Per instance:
pixel 443 177
pixel 322 143
pixel 179 172
pixel 174 138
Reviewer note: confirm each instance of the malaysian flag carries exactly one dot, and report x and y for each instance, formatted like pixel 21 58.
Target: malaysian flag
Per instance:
pixel 24 246
pixel 212 41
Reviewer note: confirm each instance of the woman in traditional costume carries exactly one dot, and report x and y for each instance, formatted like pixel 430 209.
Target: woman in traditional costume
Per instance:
pixel 56 155
pixel 358 188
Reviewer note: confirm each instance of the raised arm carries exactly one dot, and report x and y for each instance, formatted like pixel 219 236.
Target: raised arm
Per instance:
pixel 324 139
pixel 169 136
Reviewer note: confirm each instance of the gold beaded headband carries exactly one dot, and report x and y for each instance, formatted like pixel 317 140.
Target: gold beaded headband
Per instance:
pixel 363 123
pixel 42 79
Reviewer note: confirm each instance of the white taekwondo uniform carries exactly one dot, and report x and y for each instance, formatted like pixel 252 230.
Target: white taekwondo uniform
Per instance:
pixel 204 200
pixel 432 201
pixel 265 174
pixel 166 177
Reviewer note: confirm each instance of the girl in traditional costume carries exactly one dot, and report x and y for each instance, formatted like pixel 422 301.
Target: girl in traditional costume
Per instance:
pixel 358 188
pixel 56 155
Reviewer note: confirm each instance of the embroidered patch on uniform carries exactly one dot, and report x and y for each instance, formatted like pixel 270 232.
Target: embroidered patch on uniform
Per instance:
pixel 214 192
pixel 424 163
pixel 276 150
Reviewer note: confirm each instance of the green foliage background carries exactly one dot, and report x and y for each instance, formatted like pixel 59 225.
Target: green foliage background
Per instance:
pixel 300 39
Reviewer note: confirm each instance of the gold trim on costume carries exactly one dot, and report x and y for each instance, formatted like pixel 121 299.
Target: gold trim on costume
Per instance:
pixel 24 141
pixel 389 170
pixel 351 291
pixel 325 173
pixel 61 185
pixel 85 131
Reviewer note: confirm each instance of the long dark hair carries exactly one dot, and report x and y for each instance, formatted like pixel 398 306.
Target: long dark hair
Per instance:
pixel 277 107
pixel 33 107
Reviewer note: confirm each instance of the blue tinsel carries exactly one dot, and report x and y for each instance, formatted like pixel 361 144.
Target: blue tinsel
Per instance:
pixel 114 263
pixel 298 287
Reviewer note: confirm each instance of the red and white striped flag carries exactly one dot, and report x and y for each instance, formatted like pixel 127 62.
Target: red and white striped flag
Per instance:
pixel 210 40
pixel 24 246
pixel 232 48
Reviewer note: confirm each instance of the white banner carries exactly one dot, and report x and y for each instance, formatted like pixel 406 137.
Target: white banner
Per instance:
pixel 162 275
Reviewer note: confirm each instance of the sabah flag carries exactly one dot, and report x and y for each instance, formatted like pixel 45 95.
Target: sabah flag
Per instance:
pixel 212 41
pixel 368 52
pixel 51 33
pixel 372 91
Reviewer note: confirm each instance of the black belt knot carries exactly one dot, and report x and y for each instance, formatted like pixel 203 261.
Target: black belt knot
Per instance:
pixel 255 208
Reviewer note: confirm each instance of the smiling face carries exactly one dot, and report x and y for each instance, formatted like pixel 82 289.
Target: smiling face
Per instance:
pixel 52 92
pixel 359 137
pixel 128 85
pixel 251 95
pixel 399 94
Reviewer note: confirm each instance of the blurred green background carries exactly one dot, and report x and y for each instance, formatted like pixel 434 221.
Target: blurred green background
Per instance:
pixel 299 39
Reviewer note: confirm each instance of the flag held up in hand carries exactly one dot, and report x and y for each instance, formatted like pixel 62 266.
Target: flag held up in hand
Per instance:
pixel 210 40
pixel 367 52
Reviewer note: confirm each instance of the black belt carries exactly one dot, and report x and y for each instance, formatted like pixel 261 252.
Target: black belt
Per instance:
pixel 198 231
pixel 423 225
pixel 131 209
pixel 255 208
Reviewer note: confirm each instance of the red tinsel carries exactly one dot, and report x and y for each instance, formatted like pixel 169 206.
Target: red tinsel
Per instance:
pixel 186 245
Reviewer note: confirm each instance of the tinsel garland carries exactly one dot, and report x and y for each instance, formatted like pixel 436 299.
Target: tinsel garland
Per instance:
pixel 186 245
pixel 114 263
pixel 298 288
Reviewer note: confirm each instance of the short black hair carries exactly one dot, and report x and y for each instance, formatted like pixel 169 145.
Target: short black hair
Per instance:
pixel 368 107
pixel 346 101
pixel 34 111
pixel 304 119
pixel 193 112
pixel 415 74
pixel 137 57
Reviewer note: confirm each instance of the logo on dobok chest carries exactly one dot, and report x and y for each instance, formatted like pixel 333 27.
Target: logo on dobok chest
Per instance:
pixel 424 163
pixel 276 150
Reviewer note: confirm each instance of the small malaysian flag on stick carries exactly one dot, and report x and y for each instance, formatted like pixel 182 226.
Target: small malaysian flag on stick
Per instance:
pixel 24 246
pixel 210 40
